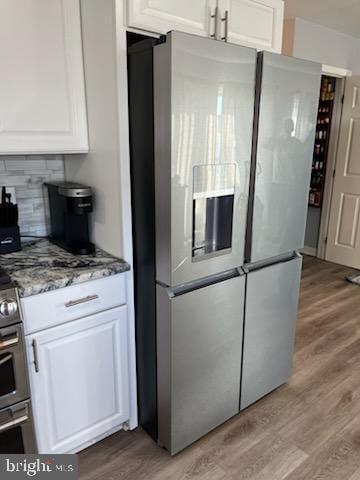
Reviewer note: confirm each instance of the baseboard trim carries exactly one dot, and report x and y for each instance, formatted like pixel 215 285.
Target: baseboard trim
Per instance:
pixel 309 251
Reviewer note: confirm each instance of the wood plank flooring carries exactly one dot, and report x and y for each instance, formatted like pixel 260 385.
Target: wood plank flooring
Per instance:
pixel 308 429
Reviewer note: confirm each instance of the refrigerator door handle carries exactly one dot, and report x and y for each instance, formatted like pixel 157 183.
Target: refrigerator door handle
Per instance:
pixel 202 282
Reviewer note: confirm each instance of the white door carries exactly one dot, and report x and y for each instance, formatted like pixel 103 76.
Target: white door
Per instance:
pixel 254 23
pixel 79 380
pixel 343 244
pixel 42 94
pixel 161 16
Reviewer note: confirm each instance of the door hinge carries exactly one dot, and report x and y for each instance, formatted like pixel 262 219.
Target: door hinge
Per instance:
pixel 342 99
pixel 334 171
pixel 326 240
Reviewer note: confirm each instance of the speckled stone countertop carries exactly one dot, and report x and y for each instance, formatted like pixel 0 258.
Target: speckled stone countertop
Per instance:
pixel 42 266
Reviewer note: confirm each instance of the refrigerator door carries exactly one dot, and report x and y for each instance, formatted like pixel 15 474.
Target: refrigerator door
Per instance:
pixel 199 344
pixel 203 106
pixel 286 105
pixel 270 323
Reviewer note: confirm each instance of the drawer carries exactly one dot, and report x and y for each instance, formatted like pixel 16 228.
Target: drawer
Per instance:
pixel 65 304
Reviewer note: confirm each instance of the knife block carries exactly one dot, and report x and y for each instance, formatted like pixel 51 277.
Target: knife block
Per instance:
pixel 10 239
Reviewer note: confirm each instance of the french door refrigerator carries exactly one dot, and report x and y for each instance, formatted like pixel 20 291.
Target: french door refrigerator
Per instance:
pixel 221 143
pixel 191 147
pixel 287 93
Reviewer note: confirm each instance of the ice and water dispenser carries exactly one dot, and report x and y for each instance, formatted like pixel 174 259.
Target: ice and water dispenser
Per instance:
pixel 213 206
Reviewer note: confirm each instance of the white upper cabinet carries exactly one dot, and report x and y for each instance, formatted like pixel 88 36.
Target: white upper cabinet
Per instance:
pixel 42 92
pixel 254 23
pixel 161 16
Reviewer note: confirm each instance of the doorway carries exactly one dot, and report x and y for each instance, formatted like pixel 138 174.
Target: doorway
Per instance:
pixel 343 238
pixel 323 166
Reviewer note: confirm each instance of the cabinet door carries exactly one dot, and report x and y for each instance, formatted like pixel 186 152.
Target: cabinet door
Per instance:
pixel 255 23
pixel 270 321
pixel 161 16
pixel 42 93
pixel 79 383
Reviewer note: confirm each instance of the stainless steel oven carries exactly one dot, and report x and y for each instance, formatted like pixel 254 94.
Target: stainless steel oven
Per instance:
pixel 16 429
pixel 16 424
pixel 13 376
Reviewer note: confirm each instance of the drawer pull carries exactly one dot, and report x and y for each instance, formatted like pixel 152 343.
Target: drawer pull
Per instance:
pixel 89 298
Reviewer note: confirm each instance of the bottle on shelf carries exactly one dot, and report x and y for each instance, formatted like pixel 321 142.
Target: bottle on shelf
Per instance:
pixel 317 198
pixel 311 197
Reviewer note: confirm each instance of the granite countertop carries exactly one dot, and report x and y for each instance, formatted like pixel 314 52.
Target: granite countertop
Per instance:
pixel 42 266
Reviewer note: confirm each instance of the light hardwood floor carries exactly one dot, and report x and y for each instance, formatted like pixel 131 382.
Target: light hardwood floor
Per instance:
pixel 308 429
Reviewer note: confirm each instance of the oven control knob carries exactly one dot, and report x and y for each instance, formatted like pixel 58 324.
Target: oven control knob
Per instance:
pixel 8 308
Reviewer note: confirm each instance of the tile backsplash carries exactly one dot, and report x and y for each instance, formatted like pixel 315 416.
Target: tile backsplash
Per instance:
pixel 27 174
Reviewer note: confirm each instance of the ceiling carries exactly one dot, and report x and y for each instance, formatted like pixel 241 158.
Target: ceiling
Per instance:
pixel 341 15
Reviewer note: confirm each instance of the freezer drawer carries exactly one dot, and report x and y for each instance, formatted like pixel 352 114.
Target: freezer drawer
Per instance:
pixel 270 322
pixel 199 337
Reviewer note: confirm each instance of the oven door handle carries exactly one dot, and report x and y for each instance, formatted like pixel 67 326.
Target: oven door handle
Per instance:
pixel 6 359
pixel 13 423
pixel 9 341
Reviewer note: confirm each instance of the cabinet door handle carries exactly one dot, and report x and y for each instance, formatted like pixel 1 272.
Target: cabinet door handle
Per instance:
pixel 13 423
pixel 89 298
pixel 225 19
pixel 35 352
pixel 213 16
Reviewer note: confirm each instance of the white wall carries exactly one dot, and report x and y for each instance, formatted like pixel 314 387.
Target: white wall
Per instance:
pixel 320 44
pixel 100 168
pixel 304 39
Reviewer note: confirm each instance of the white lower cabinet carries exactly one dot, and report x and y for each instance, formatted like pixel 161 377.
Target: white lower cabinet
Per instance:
pixel 79 380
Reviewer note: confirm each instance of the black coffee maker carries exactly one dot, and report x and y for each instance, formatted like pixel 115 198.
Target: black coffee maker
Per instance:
pixel 69 204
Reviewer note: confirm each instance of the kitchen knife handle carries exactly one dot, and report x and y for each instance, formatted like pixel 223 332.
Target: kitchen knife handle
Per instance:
pixel 3 195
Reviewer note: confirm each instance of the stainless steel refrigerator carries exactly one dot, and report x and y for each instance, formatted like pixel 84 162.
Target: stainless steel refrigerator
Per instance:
pixel 191 288
pixel 209 134
pixel 287 94
pixel 204 104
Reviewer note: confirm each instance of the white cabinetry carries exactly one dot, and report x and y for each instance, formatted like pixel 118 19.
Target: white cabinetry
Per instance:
pixel 42 93
pixel 79 380
pixel 255 23
pixel 161 16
